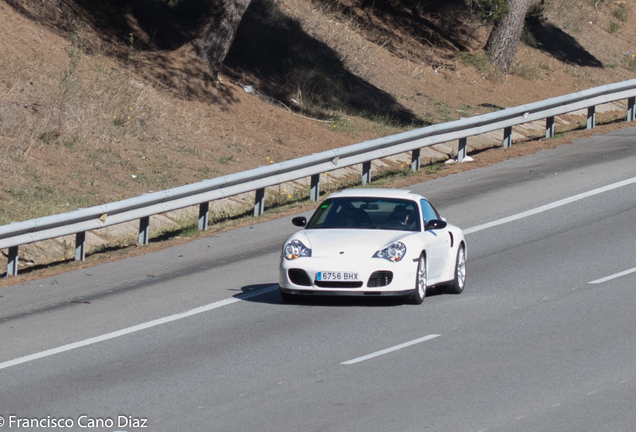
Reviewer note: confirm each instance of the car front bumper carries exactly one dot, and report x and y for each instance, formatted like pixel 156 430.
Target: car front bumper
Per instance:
pixel 372 273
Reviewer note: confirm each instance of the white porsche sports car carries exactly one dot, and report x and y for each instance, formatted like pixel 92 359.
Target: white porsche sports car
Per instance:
pixel 373 242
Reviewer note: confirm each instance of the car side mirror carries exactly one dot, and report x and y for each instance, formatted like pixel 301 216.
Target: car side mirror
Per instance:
pixel 300 221
pixel 434 224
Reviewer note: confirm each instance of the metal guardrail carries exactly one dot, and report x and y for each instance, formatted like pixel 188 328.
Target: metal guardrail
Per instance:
pixel 142 207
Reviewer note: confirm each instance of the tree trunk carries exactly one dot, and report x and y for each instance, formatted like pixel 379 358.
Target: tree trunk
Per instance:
pixel 505 36
pixel 218 32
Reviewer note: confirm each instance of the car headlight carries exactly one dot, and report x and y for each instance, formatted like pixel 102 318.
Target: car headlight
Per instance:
pixel 295 249
pixel 394 252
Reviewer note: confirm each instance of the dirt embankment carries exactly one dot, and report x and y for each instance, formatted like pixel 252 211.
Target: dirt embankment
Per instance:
pixel 96 109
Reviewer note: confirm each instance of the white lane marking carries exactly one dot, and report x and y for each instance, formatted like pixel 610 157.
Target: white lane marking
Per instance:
pixel 136 328
pixel 550 206
pixel 614 276
pixel 388 350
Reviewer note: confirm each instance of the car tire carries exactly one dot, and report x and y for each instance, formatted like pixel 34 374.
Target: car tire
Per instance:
pixel 458 284
pixel 420 282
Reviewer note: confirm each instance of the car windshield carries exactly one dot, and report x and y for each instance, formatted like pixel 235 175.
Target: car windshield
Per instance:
pixel 367 213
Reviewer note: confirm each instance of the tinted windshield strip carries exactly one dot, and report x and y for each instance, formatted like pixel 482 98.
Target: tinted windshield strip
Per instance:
pixel 367 213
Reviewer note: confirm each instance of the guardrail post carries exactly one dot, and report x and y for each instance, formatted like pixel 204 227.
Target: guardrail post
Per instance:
pixel 631 102
pixel 144 230
pixel 366 172
pixel 204 215
pixel 507 139
pixel 461 149
pixel 415 160
pixel 314 193
pixel 259 203
pixel 591 117
pixel 549 127
pixel 80 246
pixel 12 262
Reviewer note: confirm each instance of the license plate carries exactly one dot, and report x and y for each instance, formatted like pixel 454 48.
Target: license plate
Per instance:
pixel 337 276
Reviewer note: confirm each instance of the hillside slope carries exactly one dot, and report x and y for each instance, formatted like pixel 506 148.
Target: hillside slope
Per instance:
pixel 100 103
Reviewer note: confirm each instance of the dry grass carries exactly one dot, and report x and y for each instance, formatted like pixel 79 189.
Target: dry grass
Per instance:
pixel 571 15
pixel 80 116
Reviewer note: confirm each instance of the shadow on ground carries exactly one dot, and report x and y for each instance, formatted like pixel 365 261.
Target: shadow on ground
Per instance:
pixel 270 49
pixel 421 23
pixel 273 297
pixel 145 36
pixel 287 64
pixel 561 45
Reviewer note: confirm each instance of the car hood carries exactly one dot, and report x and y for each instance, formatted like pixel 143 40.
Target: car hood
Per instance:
pixel 350 242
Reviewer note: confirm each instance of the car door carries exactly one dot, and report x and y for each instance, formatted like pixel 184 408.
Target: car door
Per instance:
pixel 437 242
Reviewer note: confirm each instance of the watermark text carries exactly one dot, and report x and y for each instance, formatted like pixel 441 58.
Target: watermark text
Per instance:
pixel 83 421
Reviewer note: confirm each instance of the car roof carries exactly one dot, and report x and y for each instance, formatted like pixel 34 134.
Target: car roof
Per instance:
pixel 377 193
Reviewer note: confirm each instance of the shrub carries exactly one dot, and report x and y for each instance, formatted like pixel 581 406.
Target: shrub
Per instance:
pixel 477 59
pixel 614 27
pixel 620 14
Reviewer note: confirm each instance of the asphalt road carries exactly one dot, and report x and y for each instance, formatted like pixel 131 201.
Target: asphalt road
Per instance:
pixel 196 337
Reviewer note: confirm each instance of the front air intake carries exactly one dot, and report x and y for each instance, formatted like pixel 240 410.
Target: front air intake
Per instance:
pixel 299 277
pixel 380 278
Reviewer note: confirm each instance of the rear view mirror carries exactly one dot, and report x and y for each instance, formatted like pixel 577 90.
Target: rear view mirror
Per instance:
pixel 300 221
pixel 434 224
pixel 370 206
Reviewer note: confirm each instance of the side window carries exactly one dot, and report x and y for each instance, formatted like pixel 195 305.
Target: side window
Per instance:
pixel 428 211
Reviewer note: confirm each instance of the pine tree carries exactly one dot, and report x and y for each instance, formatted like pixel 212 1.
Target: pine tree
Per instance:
pixel 218 32
pixel 505 36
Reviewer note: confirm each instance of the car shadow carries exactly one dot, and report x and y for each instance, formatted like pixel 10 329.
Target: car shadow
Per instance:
pixel 273 297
